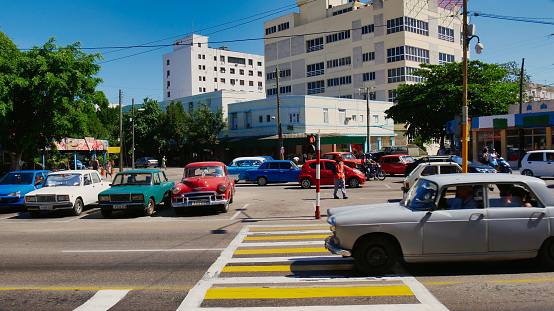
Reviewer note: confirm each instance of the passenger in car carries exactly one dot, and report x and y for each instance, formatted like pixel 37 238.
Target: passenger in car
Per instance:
pixel 466 199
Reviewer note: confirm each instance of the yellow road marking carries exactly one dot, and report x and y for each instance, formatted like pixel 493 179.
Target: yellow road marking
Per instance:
pixel 287 268
pixel 304 292
pixel 285 237
pixel 287 229
pixel 88 288
pixel 280 251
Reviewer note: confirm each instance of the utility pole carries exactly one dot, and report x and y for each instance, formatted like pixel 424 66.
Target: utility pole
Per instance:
pixel 120 133
pixel 465 117
pixel 133 131
pixel 367 92
pixel 521 141
pixel 279 126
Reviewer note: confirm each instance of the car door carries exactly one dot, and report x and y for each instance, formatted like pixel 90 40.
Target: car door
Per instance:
pixel 273 172
pixel 158 190
pixel 549 164
pixel 89 194
pixel 327 177
pixel 453 230
pixel 535 163
pixel 386 164
pixel 287 172
pixel 511 226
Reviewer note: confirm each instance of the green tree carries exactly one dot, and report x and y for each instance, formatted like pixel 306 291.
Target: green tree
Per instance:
pixel 149 129
pixel 426 107
pixel 202 126
pixel 46 93
pixel 175 123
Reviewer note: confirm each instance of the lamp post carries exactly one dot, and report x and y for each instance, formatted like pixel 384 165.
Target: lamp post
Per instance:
pixel 367 91
pixel 465 116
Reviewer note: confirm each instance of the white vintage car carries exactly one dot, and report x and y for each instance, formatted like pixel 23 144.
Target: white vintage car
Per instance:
pixel 71 190
pixel 454 217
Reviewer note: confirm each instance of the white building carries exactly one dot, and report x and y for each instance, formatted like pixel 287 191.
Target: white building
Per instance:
pixel 334 47
pixel 195 68
pixel 313 114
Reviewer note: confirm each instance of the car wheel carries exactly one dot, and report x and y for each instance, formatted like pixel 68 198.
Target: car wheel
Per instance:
pixel 149 208
pixel 527 173
pixel 305 183
pixel 231 199
pixel 546 253
pixel 167 200
pixel 224 208
pixel 179 210
pixel 353 182
pixel 34 214
pixel 380 174
pixel 262 181
pixel 77 207
pixel 375 255
pixel 106 212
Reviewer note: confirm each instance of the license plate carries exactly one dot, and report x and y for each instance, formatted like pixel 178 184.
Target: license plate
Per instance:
pixel 199 202
pixel 46 207
pixel 120 207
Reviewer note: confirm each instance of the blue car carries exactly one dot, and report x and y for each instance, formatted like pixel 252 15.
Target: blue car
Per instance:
pixel 240 165
pixel 273 171
pixel 14 185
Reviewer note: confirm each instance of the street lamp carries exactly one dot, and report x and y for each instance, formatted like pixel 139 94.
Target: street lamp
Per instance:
pixel 467 36
pixel 367 91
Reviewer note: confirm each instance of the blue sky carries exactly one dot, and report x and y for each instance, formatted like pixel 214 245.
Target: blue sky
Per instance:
pixel 125 23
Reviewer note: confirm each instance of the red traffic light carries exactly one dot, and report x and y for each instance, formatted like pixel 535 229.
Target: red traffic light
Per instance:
pixel 311 140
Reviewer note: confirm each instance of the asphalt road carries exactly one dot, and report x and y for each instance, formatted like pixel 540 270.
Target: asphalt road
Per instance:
pixel 265 252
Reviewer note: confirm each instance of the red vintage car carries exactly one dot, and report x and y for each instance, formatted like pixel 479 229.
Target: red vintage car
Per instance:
pixel 352 177
pixel 347 158
pixel 204 184
pixel 395 164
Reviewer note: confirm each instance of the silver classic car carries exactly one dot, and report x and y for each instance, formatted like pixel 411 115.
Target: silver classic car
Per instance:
pixel 454 217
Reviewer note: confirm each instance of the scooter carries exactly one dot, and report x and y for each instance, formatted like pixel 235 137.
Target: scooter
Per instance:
pixel 504 166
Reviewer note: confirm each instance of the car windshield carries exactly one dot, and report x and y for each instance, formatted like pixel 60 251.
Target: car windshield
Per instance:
pixel 421 196
pixel 459 160
pixel 348 156
pixel 63 180
pixel 128 179
pixel 17 179
pixel 406 159
pixel 201 171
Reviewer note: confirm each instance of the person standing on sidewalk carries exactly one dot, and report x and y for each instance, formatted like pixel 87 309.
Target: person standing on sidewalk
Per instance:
pixel 163 163
pixel 338 175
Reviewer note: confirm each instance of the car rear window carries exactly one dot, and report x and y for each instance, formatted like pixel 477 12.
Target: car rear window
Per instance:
pixel 537 156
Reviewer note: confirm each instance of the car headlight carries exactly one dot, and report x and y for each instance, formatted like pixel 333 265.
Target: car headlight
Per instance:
pixel 175 190
pixel 221 188
pixel 104 198
pixel 31 199
pixel 64 197
pixel 331 220
pixel 137 197
pixel 14 194
pixel 357 171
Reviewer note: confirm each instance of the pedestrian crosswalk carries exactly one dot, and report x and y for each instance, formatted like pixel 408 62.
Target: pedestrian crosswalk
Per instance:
pixel 275 267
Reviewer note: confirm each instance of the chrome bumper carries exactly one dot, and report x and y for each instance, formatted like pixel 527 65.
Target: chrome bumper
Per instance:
pixel 330 246
pixel 200 199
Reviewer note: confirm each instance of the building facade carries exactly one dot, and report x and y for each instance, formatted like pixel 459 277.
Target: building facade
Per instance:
pixel 335 47
pixel 194 68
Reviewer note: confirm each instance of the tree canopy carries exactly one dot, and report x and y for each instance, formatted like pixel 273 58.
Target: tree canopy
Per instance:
pixel 46 93
pixel 426 107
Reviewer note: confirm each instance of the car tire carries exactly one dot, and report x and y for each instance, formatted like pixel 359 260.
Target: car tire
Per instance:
pixel 106 212
pixel 167 200
pixel 231 198
pixel 305 183
pixel 262 181
pixel 375 255
pixel 35 214
pixel 546 253
pixel 224 208
pixel 149 208
pixel 527 173
pixel 77 207
pixel 179 210
pixel 380 174
pixel 353 182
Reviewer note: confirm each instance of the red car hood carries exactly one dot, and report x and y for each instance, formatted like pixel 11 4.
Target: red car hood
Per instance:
pixel 203 183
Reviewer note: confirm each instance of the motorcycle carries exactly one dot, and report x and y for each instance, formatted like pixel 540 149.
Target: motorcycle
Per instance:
pixel 375 172
pixel 504 166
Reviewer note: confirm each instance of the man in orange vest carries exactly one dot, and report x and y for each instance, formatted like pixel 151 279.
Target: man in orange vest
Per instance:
pixel 338 175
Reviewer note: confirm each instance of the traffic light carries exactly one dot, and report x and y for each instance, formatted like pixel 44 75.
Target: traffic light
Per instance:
pixel 311 143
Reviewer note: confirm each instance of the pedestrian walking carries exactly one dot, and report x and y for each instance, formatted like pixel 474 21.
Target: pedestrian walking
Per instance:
pixel 163 163
pixel 95 163
pixel 338 175
pixel 108 169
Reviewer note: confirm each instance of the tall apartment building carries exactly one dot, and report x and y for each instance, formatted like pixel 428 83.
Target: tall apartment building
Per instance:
pixel 194 68
pixel 335 47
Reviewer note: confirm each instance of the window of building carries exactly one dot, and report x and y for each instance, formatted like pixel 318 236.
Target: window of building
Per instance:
pixel 191 106
pixel 241 71
pixel 315 69
pixel 222 70
pixel 204 90
pixel 368 29
pixel 342 11
pixel 361 118
pixel 446 34
pixel 392 96
pixel 167 62
pixel 316 87
pixel 409 24
pixel 375 119
pixel 283 26
pixel 260 84
pixel 251 62
pixel 200 89
pixel 285 89
pixel 294 115
pixel 241 82
pixel 338 36
pixel 369 76
pixel 222 58
pixel 261 119
pixel 232 71
pixel 445 58
pixel 372 96
pixel 251 73
pixel 403 74
pixel 168 94
pixel 268 118
pixel 203 56
pixel 222 80
pixel 215 79
pixel 234 124
pixel 248 119
pixel 199 78
pixel 259 74
pixel 168 73
pixel 250 83
pixel 339 62
pixel 409 53
pixel 353 116
pixel 168 83
pixel 346 96
pixel 232 81
pixel 284 73
pixel 215 68
pixel 259 64
pixel 366 57
pixel 270 75
pixel 215 58
pixel 199 56
pixel 339 81
pixel 236 60
pixel 314 45
pixel 271 92
pixel 326 115
pixel 342 116
pixel 270 30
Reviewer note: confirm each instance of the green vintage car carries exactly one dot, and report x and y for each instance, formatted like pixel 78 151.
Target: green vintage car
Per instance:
pixel 136 190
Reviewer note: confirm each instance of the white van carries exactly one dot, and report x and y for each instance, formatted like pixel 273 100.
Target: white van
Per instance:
pixel 538 163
